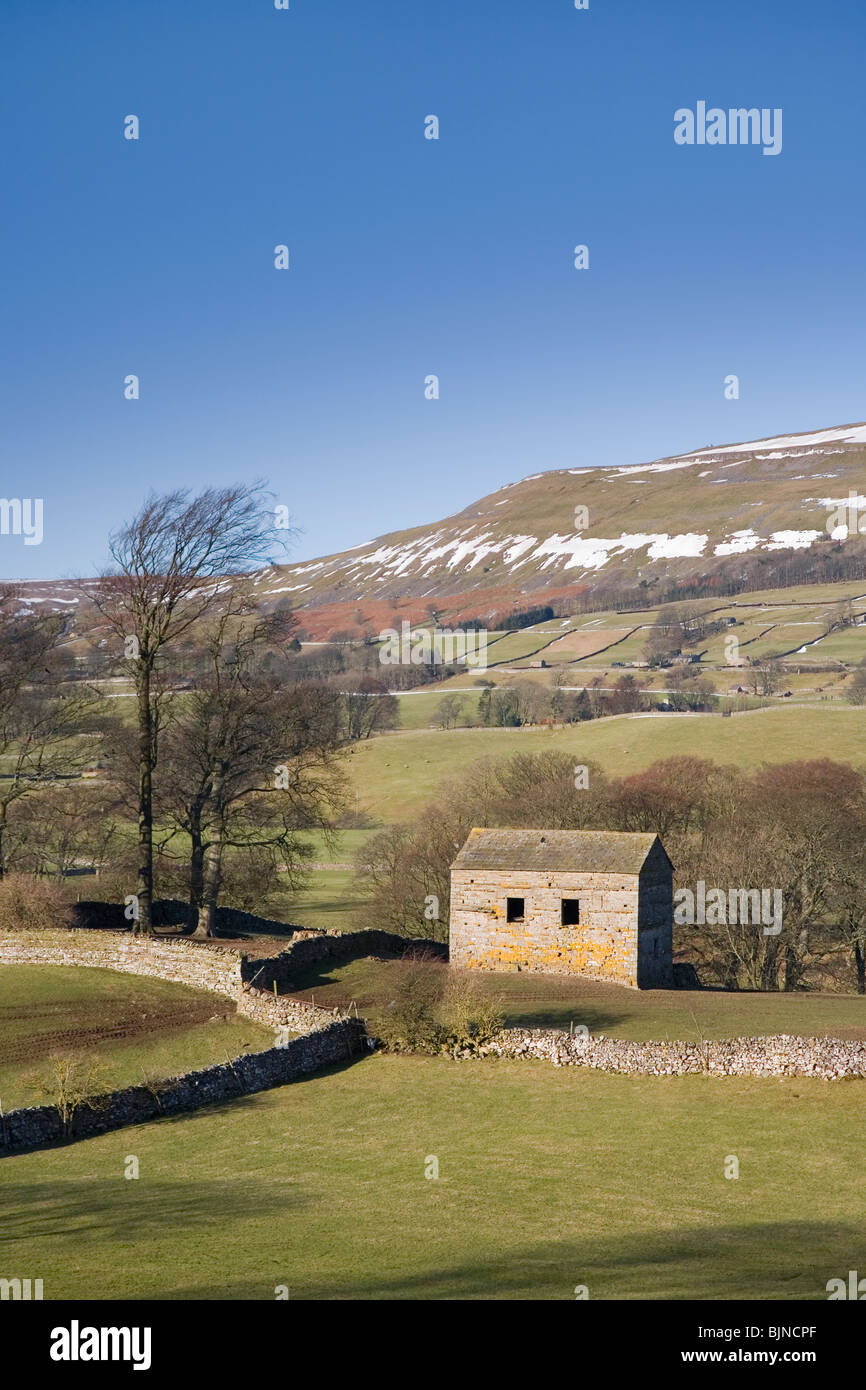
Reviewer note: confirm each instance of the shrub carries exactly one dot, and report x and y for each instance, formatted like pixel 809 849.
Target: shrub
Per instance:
pixel 32 904
pixel 411 1023
pixel 438 1010
pixel 69 1082
pixel 469 1017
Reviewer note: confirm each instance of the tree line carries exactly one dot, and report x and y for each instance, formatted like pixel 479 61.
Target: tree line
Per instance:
pixel 799 827
pixel 222 771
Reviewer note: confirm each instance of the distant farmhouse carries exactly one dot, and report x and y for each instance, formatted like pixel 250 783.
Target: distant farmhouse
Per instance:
pixel 572 902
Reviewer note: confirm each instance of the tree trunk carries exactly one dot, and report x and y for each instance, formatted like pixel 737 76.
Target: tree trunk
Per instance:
pixel 772 971
pixel 790 970
pixel 206 925
pixel 212 875
pixel 2 842
pixel 860 963
pixel 145 801
pixel 196 868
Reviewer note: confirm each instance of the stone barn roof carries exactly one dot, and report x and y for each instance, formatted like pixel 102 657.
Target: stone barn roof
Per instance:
pixel 564 851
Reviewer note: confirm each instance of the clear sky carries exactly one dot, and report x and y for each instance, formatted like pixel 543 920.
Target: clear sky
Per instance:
pixel 411 256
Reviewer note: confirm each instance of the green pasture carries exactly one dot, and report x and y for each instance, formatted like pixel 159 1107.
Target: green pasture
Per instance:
pixel 396 775
pixel 562 1001
pixel 547 1180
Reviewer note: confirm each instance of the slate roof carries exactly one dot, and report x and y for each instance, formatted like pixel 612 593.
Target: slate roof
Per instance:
pixel 565 851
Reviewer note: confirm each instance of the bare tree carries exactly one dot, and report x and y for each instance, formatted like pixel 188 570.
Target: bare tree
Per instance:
pixel 46 720
pixel 71 1081
pixel 766 676
pixel 68 828
pixel 449 711
pixel 849 900
pixel 370 709
pixel 173 566
pixel 533 701
pixel 248 759
pixel 665 637
pixel 855 693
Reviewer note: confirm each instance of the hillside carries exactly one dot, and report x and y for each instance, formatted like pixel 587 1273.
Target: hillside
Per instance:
pixel 726 511
pixel 722 519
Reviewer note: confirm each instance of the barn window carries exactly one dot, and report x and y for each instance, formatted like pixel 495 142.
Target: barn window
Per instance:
pixel 570 912
pixel 514 909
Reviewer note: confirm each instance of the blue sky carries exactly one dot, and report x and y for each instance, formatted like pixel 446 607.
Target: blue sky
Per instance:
pixel 411 256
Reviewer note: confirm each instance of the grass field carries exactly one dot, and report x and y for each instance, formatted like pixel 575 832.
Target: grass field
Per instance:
pixel 555 1001
pixel 767 623
pixel 129 1025
pixel 329 900
pixel 548 1179
pixel 846 644
pixel 518 646
pixel 418 708
pixel 396 775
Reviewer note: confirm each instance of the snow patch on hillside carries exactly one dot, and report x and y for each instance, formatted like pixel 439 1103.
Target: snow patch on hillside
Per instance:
pixel 592 553
pixel 738 543
pixel 674 547
pixel 853 500
pixel 517 546
pixel 653 467
pixel 847 434
pixel 792 540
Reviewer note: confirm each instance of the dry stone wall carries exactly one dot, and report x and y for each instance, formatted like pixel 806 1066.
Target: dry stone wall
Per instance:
pixel 183 962
pixel 33 1128
pixel 327 1036
pixel 827 1059
pixel 172 912
pixel 284 968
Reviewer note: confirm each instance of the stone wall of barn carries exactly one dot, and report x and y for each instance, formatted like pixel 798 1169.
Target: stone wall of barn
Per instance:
pixel 655 926
pixel 604 946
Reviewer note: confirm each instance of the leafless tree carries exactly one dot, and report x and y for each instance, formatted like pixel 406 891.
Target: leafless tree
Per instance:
pixel 173 565
pixel 766 675
pixel 47 720
pixel 370 709
pixel 248 759
pixel 449 711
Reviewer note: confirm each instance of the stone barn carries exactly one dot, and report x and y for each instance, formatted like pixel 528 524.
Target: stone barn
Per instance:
pixel 595 903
